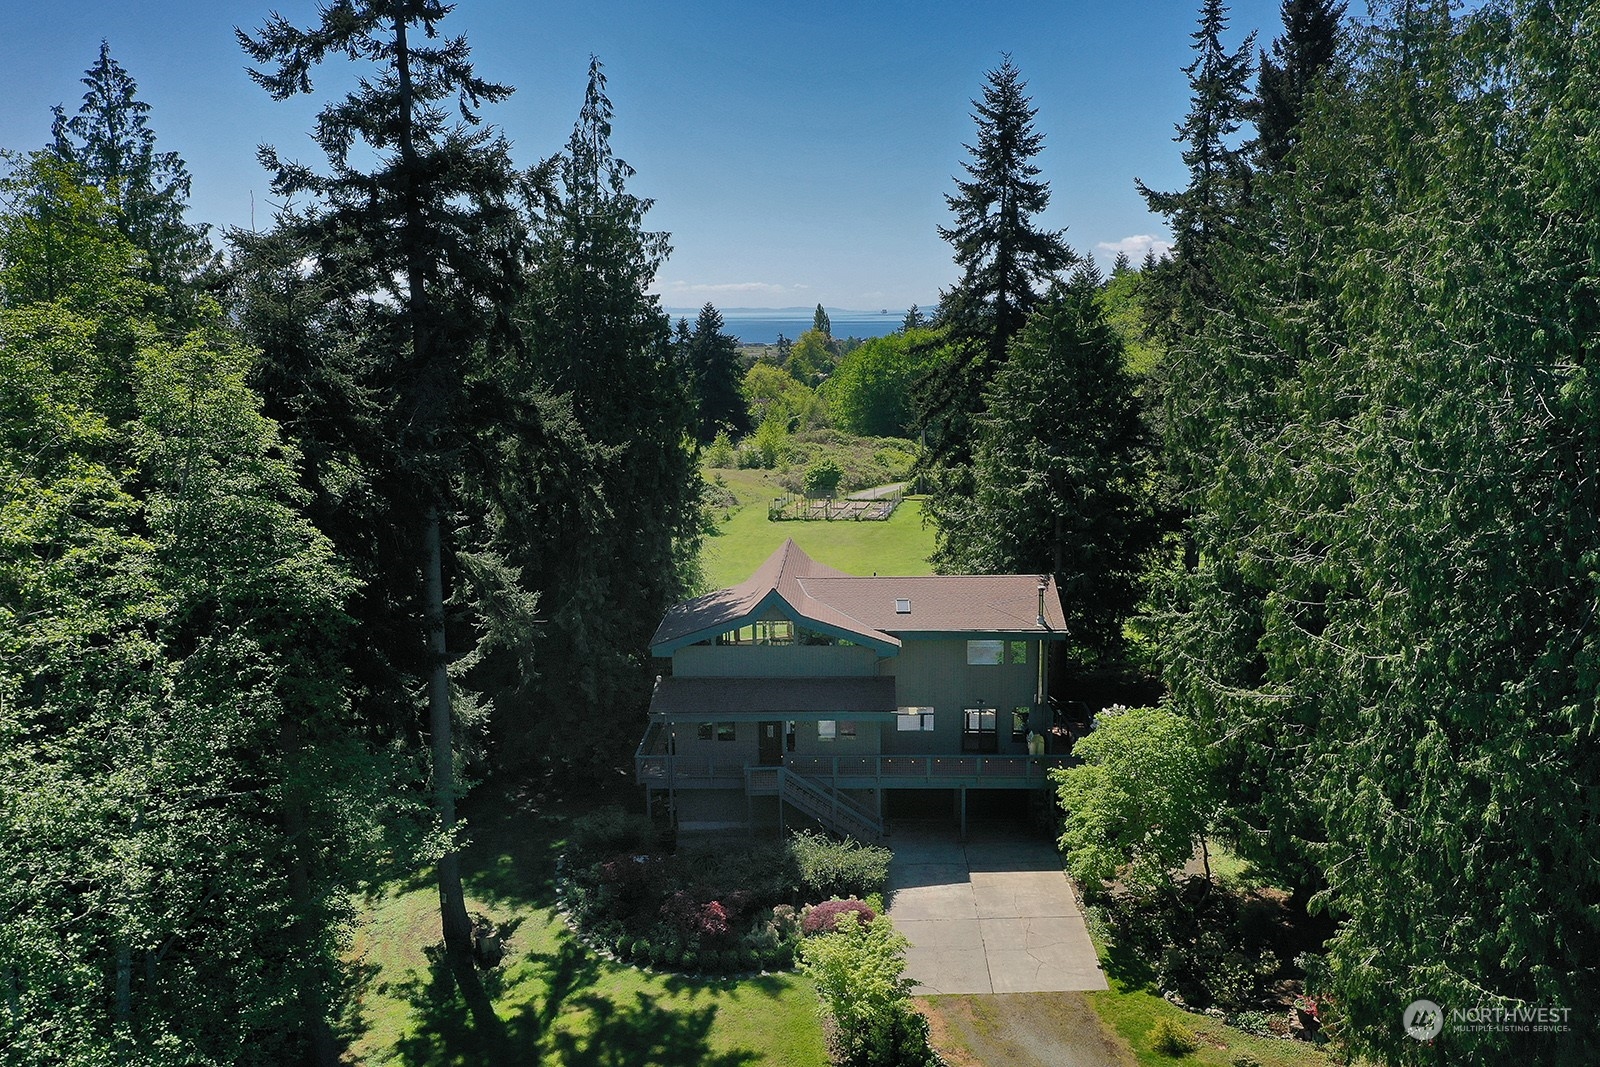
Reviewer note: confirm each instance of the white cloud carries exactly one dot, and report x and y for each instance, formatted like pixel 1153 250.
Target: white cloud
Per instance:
pixel 1136 246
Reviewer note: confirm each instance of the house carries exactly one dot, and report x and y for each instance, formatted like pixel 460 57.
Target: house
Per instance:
pixel 806 691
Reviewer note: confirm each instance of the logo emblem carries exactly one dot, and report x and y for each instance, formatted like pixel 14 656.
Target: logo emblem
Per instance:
pixel 1423 1020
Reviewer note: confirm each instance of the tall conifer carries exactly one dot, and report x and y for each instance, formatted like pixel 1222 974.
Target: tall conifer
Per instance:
pixel 428 240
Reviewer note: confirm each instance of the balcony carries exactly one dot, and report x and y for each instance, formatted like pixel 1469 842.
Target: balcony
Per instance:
pixel 653 767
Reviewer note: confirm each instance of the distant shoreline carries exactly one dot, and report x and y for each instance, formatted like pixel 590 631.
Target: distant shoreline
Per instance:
pixel 763 326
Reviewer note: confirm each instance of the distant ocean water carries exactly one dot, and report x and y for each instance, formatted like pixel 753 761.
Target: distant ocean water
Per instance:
pixel 761 326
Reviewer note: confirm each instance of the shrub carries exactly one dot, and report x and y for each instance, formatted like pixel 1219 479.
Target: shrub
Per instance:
pixel 719 453
pixel 824 918
pixel 822 478
pixel 1244 1059
pixel 608 831
pixel 730 960
pixel 830 868
pixel 897 1037
pixel 1171 1038
pixel 1252 1022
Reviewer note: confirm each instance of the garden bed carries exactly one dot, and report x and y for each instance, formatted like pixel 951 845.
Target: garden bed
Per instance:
pixel 710 909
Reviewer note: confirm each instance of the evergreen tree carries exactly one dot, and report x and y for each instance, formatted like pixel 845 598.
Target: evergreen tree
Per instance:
pixel 913 320
pixel 1004 258
pixel 1387 638
pixel 598 339
pixel 426 243
pixel 112 144
pixel 1203 214
pixel 714 361
pixel 821 323
pixel 1060 472
pixel 1299 59
pixel 1121 265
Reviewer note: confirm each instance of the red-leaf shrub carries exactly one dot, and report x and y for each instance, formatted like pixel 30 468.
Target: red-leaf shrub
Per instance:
pixel 707 920
pixel 824 918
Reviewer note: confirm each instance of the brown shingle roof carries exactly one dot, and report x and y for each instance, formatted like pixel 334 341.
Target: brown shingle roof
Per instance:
pixel 863 609
pixel 984 603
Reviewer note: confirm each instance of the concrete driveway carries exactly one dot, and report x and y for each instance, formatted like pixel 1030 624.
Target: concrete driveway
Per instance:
pixel 994 915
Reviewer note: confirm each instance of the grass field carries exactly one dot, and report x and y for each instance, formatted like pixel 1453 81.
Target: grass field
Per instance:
pixel 745 536
pixel 562 1004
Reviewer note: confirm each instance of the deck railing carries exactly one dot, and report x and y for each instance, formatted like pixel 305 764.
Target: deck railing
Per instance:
pixel 660 770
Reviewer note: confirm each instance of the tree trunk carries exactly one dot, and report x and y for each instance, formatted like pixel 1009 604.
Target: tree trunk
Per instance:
pixel 452 899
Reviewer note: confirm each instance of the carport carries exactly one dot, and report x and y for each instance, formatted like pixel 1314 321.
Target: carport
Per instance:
pixel 993 914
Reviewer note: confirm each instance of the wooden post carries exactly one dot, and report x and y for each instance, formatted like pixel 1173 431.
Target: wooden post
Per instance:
pixel 963 814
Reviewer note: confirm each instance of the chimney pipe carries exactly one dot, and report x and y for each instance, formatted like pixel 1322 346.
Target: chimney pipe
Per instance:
pixel 1041 603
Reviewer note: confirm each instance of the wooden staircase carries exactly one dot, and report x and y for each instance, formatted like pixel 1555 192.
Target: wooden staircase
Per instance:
pixel 835 811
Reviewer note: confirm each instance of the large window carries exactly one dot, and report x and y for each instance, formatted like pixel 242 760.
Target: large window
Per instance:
pixel 721 731
pixel 827 729
pixel 1019 724
pixel 978 730
pixel 1019 651
pixel 985 653
pixel 914 719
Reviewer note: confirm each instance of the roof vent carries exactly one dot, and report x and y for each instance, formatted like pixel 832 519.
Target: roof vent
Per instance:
pixel 902 606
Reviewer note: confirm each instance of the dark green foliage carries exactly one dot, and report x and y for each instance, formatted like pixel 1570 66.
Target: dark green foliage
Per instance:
pixel 1060 473
pixel 424 248
pixel 898 1037
pixel 821 323
pixel 1204 213
pixel 1300 59
pixel 713 360
pixel 1388 633
pixel 598 491
pixel 1005 259
pixel 822 478
pixel 113 147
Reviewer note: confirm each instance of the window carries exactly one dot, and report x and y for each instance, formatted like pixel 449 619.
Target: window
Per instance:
pixel 978 731
pixel 724 731
pixel 1019 724
pixel 775 632
pixel 1019 651
pixel 902 606
pixel 706 731
pixel 914 719
pixel 847 729
pixel 826 729
pixel 985 653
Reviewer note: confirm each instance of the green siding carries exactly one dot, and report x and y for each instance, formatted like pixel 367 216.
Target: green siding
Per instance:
pixel 773 661
pixel 935 673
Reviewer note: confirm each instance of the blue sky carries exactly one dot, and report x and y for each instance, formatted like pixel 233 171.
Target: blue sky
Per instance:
pixel 798 153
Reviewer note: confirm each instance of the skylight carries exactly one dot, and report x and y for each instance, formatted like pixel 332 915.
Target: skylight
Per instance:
pixel 902 607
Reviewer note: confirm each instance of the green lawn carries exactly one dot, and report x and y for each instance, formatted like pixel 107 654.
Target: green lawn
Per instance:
pixel 1132 1012
pixel 745 537
pixel 563 1005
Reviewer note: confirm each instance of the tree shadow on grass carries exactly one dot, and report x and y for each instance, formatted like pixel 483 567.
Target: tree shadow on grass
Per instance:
pixel 644 1034
pixel 640 1033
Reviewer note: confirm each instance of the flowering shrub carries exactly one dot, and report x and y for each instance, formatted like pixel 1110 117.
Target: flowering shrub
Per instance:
pixel 694 918
pixel 824 918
